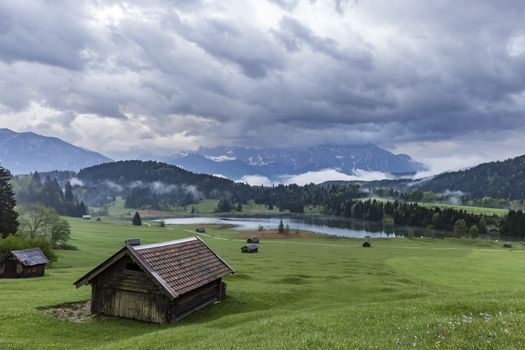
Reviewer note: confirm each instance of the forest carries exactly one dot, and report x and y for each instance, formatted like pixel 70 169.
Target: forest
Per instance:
pixel 154 185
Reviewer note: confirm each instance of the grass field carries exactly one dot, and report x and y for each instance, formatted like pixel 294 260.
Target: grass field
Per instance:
pixel 203 207
pixel 468 209
pixel 297 293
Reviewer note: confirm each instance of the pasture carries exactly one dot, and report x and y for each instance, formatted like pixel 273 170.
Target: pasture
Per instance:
pixel 297 293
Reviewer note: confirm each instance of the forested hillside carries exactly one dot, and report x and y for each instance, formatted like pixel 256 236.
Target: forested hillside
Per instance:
pixel 502 179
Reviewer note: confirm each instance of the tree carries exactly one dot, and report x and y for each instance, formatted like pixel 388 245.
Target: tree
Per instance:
pixel 8 215
pixel 224 206
pixel 460 227
pixel 82 209
pixel 38 220
pixel 281 226
pixel 239 207
pixel 70 208
pixel 137 221
pixel 60 232
pixel 473 231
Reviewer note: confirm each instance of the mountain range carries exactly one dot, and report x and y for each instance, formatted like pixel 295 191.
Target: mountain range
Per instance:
pixel 26 152
pixel 237 162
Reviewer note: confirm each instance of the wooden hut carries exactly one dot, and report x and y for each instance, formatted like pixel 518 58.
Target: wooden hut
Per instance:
pixel 250 248
pixel 253 240
pixel 23 263
pixel 158 283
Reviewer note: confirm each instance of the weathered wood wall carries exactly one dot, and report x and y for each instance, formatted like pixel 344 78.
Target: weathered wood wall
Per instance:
pixel 123 291
pixel 196 299
pixel 128 293
pixel 11 268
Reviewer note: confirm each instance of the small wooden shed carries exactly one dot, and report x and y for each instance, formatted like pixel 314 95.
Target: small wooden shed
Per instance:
pixel 253 240
pixel 250 248
pixel 158 283
pixel 23 263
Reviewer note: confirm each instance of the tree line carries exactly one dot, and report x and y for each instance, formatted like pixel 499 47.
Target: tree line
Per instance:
pixel 30 225
pixel 50 194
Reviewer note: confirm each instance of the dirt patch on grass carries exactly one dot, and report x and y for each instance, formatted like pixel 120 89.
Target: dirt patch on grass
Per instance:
pixel 276 234
pixel 73 312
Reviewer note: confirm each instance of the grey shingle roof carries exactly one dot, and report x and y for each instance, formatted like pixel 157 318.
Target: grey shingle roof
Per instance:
pixel 177 266
pixel 182 265
pixel 30 257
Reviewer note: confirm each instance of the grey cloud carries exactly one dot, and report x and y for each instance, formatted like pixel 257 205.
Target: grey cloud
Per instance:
pixel 293 33
pixel 245 46
pixel 47 33
pixel 434 74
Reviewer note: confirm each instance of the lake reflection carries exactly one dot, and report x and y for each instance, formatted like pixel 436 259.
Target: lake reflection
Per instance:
pixel 319 224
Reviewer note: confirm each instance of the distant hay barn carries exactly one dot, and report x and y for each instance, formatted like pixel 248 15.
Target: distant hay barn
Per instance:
pixel 250 248
pixel 253 240
pixel 159 283
pixel 23 263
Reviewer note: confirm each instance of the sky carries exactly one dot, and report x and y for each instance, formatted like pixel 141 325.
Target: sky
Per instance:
pixel 443 81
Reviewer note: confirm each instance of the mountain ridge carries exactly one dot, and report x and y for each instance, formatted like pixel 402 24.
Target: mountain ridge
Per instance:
pixel 236 162
pixel 25 152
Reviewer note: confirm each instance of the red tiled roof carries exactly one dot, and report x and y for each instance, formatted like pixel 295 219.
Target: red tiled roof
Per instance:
pixel 183 265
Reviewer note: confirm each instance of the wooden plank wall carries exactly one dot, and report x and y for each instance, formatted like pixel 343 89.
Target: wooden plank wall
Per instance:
pixel 130 294
pixel 196 298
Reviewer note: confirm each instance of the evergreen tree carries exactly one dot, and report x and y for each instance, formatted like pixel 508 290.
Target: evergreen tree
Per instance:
pixel 224 206
pixel 8 216
pixel 281 226
pixel 239 207
pixel 137 221
pixel 81 209
pixel 70 208
pixel 68 193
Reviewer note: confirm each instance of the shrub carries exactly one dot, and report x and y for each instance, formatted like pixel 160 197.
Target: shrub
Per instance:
pixel 65 246
pixel 13 242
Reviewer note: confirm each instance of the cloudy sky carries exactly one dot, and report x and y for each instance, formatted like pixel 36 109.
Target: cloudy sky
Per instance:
pixel 440 81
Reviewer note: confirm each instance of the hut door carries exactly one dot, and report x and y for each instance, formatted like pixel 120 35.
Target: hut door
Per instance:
pixel 138 306
pixel 10 267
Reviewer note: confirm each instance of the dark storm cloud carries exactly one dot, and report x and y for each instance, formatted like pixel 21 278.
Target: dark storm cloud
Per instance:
pixel 44 32
pixel 293 33
pixel 263 73
pixel 243 45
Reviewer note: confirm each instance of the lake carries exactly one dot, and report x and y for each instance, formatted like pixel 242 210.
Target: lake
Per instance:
pixel 319 224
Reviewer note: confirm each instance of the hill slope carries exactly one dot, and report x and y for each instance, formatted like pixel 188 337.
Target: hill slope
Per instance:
pixel 147 183
pixel 26 152
pixel 501 179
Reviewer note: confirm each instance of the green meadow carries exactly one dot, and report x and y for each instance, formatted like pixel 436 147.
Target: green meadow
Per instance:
pixel 297 293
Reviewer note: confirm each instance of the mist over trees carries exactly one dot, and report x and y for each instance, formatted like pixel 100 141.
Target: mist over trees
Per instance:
pixel 48 192
pixel 154 185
